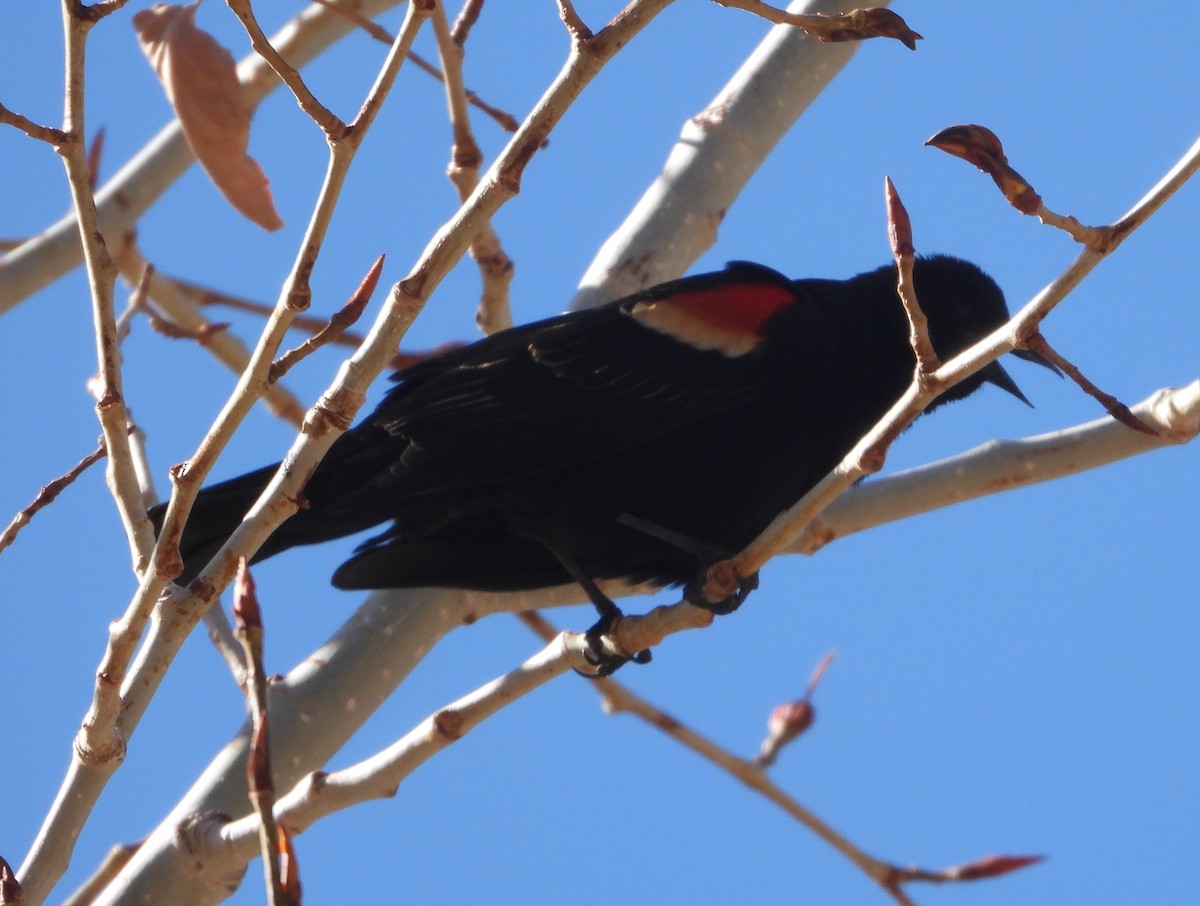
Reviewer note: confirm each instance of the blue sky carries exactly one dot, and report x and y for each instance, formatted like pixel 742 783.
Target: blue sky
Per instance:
pixel 1017 674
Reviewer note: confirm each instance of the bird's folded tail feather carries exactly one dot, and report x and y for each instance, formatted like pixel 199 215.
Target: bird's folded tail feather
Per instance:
pixel 220 508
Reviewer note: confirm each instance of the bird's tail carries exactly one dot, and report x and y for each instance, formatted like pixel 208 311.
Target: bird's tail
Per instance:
pixel 220 508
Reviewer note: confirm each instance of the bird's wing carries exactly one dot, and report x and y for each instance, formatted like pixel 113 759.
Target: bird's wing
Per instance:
pixel 576 387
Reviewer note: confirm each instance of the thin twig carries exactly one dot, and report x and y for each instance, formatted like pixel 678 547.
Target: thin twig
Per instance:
pixel 1111 404
pixel 330 124
pixel 901 239
pixel 576 28
pixel 495 267
pixel 172 298
pixel 249 633
pixel 48 134
pixel 331 332
pixel 980 146
pixel 102 274
pixel 465 21
pixel 503 119
pixel 617 698
pixel 114 860
pixel 48 493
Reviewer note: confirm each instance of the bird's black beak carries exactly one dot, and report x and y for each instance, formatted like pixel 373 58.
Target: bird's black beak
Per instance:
pixel 1030 355
pixel 995 373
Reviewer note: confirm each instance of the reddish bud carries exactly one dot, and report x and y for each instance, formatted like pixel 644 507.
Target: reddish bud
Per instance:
pixel 95 152
pixel 899 224
pixel 10 887
pixel 354 307
pixel 789 720
pixel 990 867
pixel 289 868
pixel 245 601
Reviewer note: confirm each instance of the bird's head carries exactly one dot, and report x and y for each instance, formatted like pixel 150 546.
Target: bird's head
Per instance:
pixel 963 305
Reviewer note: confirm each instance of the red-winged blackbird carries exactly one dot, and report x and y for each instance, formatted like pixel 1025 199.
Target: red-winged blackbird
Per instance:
pixel 639 440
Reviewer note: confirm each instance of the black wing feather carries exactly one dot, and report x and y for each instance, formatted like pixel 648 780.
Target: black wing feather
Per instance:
pixel 497 409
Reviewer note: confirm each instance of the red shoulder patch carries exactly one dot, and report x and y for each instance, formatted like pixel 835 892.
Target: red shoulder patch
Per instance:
pixel 726 318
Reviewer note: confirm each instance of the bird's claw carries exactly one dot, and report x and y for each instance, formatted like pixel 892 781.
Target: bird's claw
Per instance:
pixel 695 592
pixel 601 654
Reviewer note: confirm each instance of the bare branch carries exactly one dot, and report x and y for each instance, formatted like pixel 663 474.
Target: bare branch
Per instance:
pixel 1111 404
pixel 718 150
pixel 617 698
pixel 342 320
pixel 331 125
pixel 901 239
pixel 504 120
pixel 114 860
pixel 495 267
pixel 47 134
pixel 48 493
pixel 171 297
pixel 576 28
pixel 1002 465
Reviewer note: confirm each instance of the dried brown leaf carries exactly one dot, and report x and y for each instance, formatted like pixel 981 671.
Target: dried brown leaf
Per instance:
pixel 980 146
pixel 872 23
pixel 200 79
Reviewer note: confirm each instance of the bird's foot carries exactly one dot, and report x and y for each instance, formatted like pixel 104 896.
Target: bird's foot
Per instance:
pixel 733 587
pixel 599 650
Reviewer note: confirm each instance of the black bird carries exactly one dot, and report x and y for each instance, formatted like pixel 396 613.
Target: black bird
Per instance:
pixel 641 440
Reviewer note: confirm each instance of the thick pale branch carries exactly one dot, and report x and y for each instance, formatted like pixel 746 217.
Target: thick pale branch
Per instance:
pixel 1002 465
pixel 718 150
